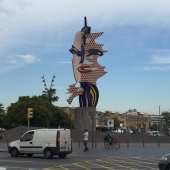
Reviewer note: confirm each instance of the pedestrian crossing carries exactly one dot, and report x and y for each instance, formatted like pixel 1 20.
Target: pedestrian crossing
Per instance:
pixel 112 163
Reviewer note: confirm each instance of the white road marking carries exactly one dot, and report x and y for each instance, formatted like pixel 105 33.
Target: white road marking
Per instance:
pixel 63 168
pixel 121 162
pixel 132 163
pixel 116 164
pixel 5 160
pixel 76 164
pixel 143 161
pixel 99 165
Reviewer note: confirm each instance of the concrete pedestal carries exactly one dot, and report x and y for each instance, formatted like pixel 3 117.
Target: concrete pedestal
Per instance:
pixel 85 118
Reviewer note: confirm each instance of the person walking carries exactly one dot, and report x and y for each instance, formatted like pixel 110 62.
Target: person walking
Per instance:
pixel 85 139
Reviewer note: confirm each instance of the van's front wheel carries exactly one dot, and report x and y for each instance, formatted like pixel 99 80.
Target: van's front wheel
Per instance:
pixel 14 152
pixel 48 154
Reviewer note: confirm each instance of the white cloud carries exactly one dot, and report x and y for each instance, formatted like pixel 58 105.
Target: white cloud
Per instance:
pixel 156 68
pixel 28 58
pixel 51 12
pixel 28 15
pixel 31 17
pixel 65 62
pixel 160 60
pixel 3 9
pixel 21 60
pixel 14 62
pixel 11 6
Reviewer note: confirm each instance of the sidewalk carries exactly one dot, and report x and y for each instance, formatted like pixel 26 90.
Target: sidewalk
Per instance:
pixel 100 146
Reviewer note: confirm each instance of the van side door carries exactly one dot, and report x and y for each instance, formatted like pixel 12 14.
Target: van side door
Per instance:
pixel 26 142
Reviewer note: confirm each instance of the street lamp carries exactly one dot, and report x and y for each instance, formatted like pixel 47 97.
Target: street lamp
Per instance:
pixel 47 91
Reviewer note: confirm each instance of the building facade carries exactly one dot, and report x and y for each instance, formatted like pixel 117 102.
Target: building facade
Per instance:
pixel 131 119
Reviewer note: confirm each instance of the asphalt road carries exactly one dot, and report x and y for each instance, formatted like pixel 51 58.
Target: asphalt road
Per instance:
pixel 132 157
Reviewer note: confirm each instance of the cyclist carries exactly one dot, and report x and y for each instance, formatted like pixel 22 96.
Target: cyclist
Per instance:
pixel 110 136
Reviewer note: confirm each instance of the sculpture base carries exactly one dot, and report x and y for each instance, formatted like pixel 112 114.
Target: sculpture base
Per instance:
pixel 85 118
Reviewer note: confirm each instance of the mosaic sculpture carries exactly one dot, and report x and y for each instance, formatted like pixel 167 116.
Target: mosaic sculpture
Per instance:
pixel 86 69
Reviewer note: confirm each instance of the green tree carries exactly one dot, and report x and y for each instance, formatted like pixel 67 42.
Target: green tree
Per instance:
pixel 166 116
pixel 17 112
pixel 166 121
pixel 61 119
pixel 2 111
pixel 50 95
pixel 154 127
pixel 43 113
pixel 2 116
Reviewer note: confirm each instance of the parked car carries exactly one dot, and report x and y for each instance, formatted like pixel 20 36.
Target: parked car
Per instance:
pixel 164 162
pixel 123 130
pixel 154 133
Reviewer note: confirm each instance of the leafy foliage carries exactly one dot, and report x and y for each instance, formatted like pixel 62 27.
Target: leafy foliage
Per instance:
pixel 166 120
pixel 2 116
pixel 2 111
pixel 50 95
pixel 44 113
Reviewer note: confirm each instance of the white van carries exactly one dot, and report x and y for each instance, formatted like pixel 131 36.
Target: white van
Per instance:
pixel 43 141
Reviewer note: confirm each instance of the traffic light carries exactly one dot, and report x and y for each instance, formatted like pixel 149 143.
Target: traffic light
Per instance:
pixel 30 113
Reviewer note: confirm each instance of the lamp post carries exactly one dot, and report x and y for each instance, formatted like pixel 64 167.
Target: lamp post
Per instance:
pixel 47 91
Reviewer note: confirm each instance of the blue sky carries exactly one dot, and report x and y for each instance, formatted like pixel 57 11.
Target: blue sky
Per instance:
pixel 36 35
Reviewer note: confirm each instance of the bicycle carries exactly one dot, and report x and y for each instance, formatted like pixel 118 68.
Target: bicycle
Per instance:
pixel 109 144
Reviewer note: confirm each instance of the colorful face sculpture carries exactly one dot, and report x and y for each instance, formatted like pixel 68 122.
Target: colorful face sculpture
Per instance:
pixel 86 68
